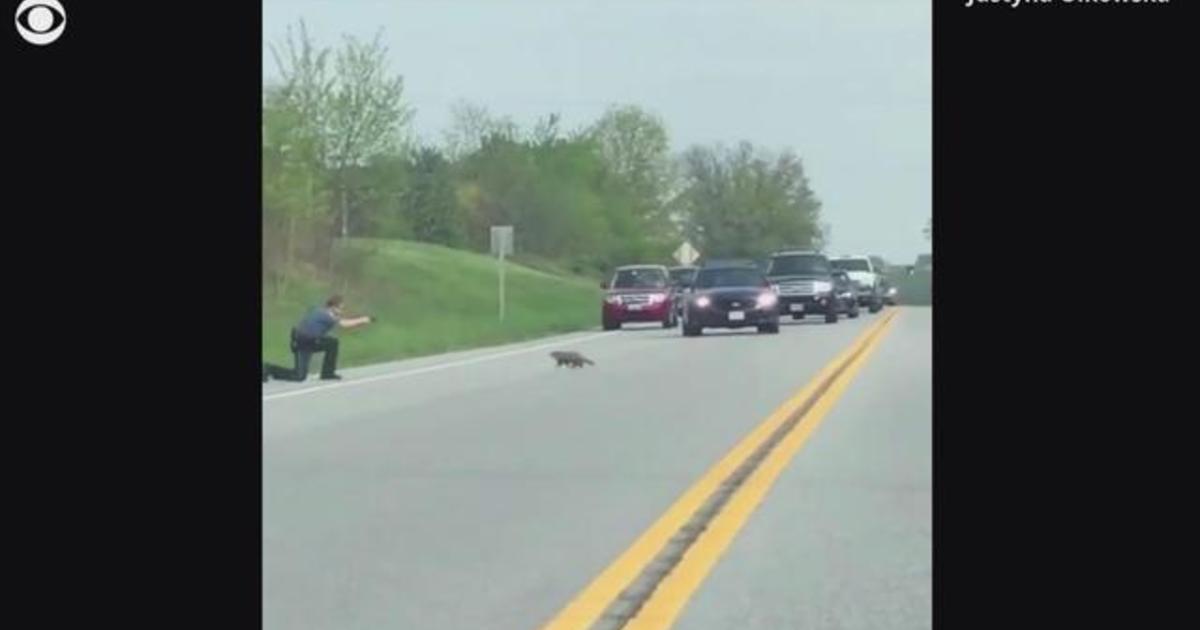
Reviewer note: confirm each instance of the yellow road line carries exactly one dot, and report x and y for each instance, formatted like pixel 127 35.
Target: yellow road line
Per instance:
pixel 587 606
pixel 664 606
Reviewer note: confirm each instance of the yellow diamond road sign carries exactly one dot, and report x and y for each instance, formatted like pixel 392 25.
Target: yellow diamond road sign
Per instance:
pixel 686 254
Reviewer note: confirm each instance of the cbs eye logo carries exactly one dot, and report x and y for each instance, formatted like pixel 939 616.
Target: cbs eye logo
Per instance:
pixel 41 22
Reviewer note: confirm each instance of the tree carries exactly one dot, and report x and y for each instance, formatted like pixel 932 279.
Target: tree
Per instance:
pixel 635 147
pixel 470 124
pixel 743 202
pixel 379 202
pixel 430 204
pixel 545 132
pixel 294 188
pixel 350 112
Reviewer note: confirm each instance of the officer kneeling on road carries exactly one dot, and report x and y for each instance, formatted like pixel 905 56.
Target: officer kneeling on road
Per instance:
pixel 311 335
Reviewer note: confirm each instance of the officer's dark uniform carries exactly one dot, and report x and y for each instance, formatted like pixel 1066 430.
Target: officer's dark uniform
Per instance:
pixel 308 337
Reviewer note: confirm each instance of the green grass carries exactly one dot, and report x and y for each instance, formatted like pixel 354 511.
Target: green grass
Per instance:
pixel 432 299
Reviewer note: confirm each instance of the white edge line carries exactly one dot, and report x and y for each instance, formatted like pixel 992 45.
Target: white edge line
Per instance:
pixel 431 368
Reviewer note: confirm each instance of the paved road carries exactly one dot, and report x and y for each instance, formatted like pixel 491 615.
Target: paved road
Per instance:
pixel 485 489
pixel 845 537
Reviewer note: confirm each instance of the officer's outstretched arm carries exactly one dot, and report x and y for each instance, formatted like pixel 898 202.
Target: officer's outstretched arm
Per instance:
pixel 353 322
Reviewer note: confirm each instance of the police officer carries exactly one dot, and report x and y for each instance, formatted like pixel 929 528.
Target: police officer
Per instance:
pixel 311 335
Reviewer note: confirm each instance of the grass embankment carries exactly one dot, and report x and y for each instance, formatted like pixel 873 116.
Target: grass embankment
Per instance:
pixel 430 299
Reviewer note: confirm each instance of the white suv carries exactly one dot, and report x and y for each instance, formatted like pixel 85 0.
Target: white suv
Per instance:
pixel 863 271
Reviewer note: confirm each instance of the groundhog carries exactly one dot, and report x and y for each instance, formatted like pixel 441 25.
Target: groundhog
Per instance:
pixel 570 359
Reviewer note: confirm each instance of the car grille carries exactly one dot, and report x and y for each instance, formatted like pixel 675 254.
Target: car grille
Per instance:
pixel 735 304
pixel 635 299
pixel 803 287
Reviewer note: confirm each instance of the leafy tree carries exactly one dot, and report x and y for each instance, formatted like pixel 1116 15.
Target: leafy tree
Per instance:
pixel 349 111
pixel 430 204
pixel 337 160
pixel 744 202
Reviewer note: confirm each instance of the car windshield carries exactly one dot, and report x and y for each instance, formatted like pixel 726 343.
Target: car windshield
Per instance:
pixel 851 264
pixel 715 278
pixel 800 264
pixel 640 279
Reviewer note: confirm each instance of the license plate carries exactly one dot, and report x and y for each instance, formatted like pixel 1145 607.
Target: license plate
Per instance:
pixel 635 307
pixel 736 316
pixel 797 308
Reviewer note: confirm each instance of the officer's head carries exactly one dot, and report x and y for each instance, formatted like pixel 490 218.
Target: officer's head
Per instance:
pixel 334 303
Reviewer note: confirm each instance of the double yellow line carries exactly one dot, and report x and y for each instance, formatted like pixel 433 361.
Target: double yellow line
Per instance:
pixel 661 608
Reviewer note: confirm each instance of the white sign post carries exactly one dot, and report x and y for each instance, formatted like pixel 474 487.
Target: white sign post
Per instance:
pixel 502 245
pixel 686 254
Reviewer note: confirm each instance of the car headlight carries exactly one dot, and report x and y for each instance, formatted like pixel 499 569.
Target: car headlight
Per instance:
pixel 613 299
pixel 891 291
pixel 703 301
pixel 821 286
pixel 767 300
pixel 656 298
pixel 846 294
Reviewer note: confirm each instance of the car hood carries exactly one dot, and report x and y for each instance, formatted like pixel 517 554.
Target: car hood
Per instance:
pixel 804 276
pixel 637 291
pixel 745 293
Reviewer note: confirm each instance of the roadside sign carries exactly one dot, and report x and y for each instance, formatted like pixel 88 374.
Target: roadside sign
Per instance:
pixel 502 240
pixel 686 254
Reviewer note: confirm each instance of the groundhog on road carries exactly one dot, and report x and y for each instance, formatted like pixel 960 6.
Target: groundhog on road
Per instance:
pixel 570 359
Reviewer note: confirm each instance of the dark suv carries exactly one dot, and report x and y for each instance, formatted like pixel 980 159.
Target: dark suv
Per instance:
pixel 804 282
pixel 639 293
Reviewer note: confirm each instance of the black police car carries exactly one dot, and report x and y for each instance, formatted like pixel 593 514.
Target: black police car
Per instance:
pixel 735 296
pixel 805 284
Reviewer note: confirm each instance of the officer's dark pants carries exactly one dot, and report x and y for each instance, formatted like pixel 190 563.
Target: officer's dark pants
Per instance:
pixel 302 350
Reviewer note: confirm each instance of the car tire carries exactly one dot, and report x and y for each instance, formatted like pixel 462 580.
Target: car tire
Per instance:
pixel 853 312
pixel 875 307
pixel 691 331
pixel 831 317
pixel 611 325
pixel 770 329
pixel 797 316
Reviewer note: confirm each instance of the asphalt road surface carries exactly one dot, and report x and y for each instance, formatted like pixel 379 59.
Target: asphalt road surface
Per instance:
pixel 487 489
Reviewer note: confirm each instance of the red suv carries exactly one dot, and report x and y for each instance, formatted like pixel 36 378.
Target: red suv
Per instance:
pixel 639 293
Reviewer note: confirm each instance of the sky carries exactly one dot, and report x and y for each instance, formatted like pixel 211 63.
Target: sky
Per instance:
pixel 846 84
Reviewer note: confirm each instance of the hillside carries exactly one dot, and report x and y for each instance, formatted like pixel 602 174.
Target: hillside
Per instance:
pixel 430 299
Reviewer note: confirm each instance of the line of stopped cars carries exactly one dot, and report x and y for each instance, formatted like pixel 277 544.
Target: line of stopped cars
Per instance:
pixel 742 294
